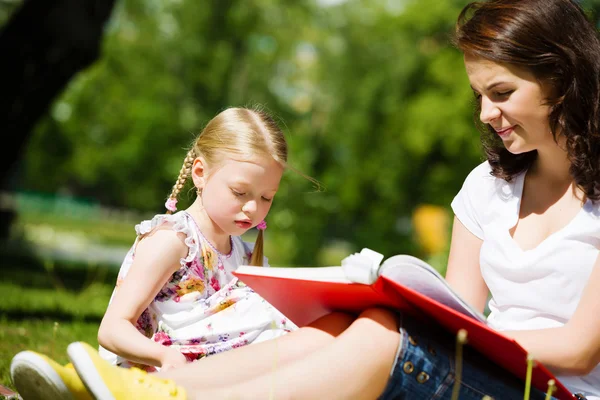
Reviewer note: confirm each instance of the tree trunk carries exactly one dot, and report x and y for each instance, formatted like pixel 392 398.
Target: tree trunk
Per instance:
pixel 43 45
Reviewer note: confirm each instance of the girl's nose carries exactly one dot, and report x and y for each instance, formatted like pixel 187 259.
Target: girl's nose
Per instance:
pixel 249 207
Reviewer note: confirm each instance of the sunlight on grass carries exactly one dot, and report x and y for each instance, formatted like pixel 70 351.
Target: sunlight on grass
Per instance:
pixel 87 304
pixel 39 335
pixel 40 315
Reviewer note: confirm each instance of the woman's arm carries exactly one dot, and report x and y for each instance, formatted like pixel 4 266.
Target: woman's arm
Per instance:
pixel 574 348
pixel 156 259
pixel 464 273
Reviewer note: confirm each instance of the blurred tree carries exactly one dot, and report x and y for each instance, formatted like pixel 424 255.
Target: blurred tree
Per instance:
pixel 43 45
pixel 169 67
pixel 375 102
pixel 593 9
pixel 398 130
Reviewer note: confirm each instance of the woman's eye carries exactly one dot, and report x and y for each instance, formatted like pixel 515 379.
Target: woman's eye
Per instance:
pixel 503 94
pixel 235 192
pixel 266 199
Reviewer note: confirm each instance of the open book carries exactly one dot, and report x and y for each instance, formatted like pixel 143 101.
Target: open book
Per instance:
pixel 402 283
pixel 412 272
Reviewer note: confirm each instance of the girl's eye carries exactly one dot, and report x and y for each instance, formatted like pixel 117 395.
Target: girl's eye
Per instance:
pixel 265 199
pixel 235 192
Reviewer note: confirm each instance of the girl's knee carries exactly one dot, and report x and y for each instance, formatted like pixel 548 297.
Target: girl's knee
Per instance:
pixel 382 316
pixel 334 323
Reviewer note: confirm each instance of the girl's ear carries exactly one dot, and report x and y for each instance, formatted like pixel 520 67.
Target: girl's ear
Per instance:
pixel 199 172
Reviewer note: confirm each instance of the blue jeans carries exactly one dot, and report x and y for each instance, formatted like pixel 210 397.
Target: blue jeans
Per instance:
pixel 424 369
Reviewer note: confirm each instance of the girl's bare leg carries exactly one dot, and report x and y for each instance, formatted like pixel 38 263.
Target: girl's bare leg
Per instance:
pixel 356 365
pixel 262 358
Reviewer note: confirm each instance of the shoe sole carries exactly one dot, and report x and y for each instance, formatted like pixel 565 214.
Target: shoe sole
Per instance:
pixel 88 372
pixel 35 379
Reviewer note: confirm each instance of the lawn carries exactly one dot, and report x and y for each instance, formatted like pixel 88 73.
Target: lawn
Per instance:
pixel 45 310
pixel 42 335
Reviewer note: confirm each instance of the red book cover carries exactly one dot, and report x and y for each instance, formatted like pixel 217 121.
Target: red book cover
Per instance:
pixel 304 297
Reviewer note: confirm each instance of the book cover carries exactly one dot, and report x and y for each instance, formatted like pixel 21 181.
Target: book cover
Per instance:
pixel 403 283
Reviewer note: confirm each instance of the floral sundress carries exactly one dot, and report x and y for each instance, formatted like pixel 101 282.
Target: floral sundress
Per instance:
pixel 203 309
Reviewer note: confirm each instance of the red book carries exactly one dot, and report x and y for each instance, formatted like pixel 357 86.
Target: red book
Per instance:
pixel 403 283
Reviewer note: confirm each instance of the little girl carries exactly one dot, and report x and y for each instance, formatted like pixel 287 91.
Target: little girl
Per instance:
pixel 176 299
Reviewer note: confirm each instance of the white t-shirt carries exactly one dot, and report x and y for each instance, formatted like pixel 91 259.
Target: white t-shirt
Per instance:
pixel 537 288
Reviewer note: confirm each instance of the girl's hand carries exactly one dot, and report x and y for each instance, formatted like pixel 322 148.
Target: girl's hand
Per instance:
pixel 172 358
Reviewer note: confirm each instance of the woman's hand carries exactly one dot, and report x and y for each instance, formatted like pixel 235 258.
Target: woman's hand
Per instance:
pixel 172 358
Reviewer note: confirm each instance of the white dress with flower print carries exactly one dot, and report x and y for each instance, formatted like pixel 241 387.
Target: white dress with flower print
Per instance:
pixel 203 309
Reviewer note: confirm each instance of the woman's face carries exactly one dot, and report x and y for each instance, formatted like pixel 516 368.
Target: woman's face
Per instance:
pixel 512 103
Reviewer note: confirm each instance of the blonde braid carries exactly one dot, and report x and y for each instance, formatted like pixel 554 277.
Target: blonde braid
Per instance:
pixel 184 173
pixel 258 252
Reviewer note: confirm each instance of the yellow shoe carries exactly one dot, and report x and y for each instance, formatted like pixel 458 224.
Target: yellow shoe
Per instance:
pixel 108 382
pixel 38 377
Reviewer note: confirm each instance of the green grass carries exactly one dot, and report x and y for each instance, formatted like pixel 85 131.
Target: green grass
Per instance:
pixel 58 304
pixel 42 335
pixel 45 310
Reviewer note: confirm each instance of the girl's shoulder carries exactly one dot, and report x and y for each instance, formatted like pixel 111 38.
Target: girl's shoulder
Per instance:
pixel 180 224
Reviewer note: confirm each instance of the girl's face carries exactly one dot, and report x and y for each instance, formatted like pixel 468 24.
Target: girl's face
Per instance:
pixel 512 103
pixel 237 195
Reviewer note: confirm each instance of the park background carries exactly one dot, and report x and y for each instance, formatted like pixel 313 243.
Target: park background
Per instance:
pixel 372 97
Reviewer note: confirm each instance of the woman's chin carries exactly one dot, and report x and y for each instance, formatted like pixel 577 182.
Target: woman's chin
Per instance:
pixel 516 147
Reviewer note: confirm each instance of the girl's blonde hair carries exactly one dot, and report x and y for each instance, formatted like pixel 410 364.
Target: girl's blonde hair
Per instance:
pixel 239 133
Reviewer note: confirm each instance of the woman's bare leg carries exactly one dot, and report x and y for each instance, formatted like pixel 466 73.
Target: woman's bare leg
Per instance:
pixel 249 361
pixel 355 365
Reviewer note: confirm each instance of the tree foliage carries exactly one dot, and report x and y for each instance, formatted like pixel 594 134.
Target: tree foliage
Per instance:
pixel 374 101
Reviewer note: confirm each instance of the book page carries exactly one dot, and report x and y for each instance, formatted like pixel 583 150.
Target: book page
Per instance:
pixel 325 274
pixel 416 274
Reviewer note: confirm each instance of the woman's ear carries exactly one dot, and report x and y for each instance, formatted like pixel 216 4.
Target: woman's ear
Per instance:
pixel 199 172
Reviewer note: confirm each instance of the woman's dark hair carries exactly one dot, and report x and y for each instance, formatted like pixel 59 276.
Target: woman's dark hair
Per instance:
pixel 555 41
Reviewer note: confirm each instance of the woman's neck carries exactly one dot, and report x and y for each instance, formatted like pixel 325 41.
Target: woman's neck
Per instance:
pixel 219 239
pixel 552 164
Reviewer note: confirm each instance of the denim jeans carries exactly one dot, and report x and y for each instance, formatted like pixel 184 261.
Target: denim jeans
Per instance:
pixel 424 369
